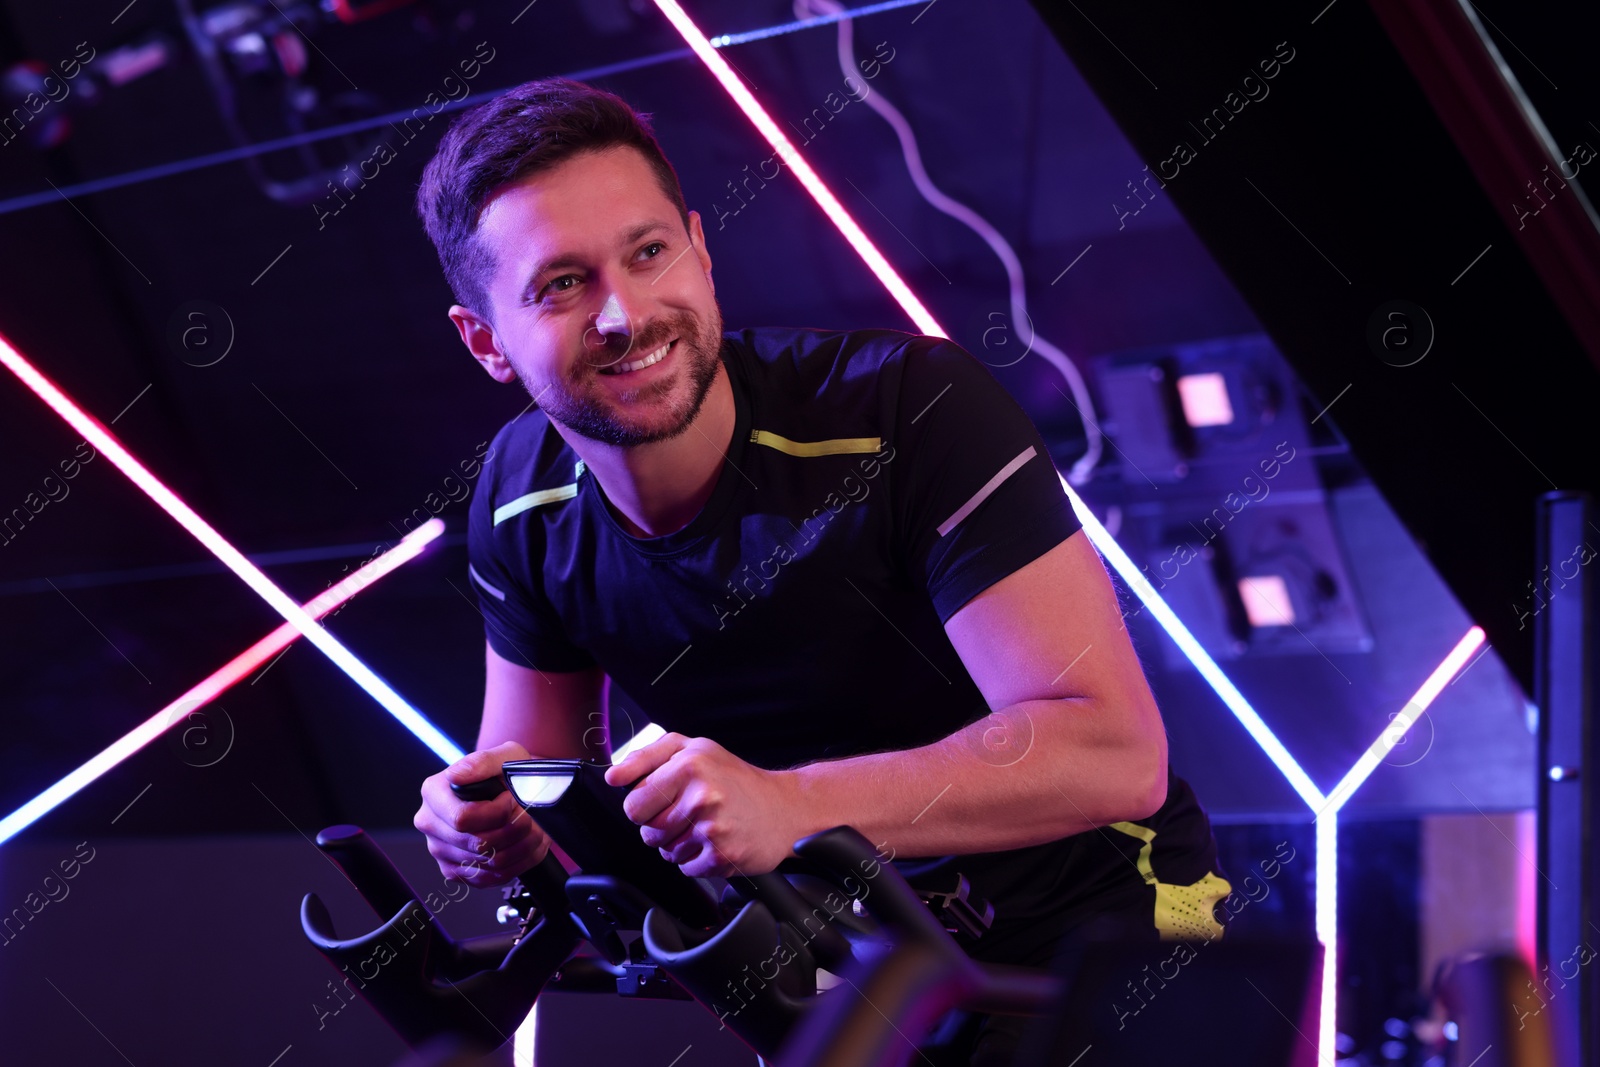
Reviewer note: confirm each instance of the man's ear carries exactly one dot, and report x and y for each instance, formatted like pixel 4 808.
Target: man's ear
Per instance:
pixel 478 335
pixel 698 237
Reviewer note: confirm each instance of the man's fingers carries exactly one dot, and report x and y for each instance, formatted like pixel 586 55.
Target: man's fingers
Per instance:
pixel 661 836
pixel 470 816
pixel 485 816
pixel 483 869
pixel 484 842
pixel 658 791
pixel 500 822
pixel 507 839
pixel 660 824
pixel 641 763
pixel 485 763
pixel 682 847
pixel 653 795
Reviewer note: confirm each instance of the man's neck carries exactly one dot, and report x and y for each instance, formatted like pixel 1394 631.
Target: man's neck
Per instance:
pixel 659 488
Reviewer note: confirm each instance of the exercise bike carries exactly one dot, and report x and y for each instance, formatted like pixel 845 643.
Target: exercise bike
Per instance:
pixel 748 949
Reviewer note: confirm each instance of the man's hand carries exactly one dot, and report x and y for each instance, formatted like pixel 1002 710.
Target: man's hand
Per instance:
pixel 482 843
pixel 707 810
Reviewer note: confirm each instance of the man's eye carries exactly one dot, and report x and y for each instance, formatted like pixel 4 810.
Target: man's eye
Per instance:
pixel 556 286
pixel 655 244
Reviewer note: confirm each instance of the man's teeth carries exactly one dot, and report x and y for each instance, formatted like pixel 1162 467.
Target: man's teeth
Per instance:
pixel 639 364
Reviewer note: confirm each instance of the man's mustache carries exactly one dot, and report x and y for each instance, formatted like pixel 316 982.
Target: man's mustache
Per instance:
pixel 635 347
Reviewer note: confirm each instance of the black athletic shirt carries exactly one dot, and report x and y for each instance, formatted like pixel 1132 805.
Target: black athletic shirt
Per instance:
pixel 876 482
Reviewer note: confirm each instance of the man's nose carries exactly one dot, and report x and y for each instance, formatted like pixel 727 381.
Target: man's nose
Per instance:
pixel 612 318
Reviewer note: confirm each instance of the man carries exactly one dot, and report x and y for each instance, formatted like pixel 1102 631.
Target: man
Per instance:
pixel 839 567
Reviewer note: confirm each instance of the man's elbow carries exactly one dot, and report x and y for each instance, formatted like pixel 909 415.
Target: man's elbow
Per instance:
pixel 1147 780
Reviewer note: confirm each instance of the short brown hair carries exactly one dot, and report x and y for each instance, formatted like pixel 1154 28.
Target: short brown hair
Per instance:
pixel 529 128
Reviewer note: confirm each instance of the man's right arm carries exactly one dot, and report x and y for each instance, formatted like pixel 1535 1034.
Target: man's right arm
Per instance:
pixel 525 713
pixel 556 715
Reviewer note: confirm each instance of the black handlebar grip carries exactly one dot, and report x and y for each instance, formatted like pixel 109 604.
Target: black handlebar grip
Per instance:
pixel 487 789
pixel 369 869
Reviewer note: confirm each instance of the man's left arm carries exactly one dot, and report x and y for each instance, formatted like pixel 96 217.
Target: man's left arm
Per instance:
pixel 1073 739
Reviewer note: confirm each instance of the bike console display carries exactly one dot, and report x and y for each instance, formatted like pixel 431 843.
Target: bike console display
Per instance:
pixel 570 801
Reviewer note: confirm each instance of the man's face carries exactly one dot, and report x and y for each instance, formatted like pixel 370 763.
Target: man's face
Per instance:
pixel 594 274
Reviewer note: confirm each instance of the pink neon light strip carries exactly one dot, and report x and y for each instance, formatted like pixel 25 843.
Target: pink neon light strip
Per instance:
pixel 802 170
pixel 231 557
pixel 213 685
pixel 1528 889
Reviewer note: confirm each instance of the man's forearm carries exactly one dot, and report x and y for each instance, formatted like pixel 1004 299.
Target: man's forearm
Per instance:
pixel 1029 773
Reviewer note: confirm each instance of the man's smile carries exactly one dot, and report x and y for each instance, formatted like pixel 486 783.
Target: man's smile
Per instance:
pixel 640 364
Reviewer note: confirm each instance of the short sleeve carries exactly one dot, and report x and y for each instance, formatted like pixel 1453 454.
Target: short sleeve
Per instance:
pixel 977 495
pixel 505 569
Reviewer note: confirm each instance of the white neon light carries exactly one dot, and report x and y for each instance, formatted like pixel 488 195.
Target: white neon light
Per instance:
pixel 802 170
pixel 212 686
pixel 1405 719
pixel 1327 922
pixel 231 557
pixel 524 1041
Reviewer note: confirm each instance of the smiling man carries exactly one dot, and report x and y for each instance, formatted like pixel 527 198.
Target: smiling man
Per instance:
pixel 838 566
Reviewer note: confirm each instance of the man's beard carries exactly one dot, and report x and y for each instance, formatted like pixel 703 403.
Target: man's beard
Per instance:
pixel 577 404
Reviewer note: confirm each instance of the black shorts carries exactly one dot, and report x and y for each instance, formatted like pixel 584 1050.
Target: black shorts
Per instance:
pixel 972 1039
